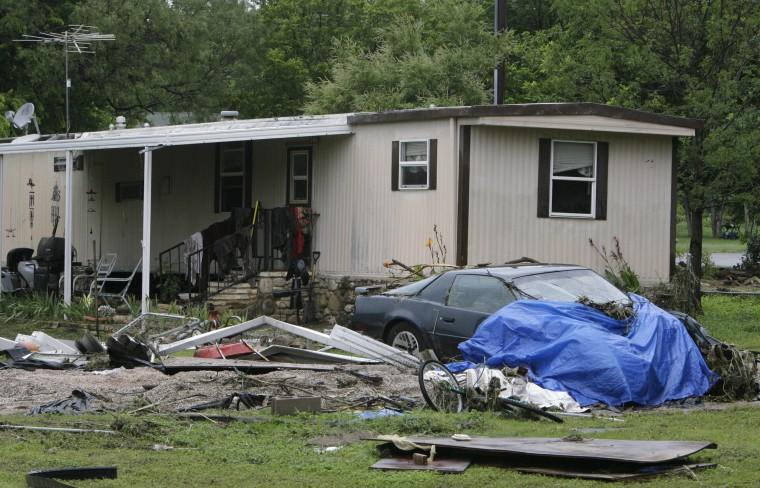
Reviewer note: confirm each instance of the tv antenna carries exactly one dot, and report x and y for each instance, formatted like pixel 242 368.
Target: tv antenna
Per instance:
pixel 76 39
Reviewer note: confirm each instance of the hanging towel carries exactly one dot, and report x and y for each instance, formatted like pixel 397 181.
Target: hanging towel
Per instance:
pixel 193 244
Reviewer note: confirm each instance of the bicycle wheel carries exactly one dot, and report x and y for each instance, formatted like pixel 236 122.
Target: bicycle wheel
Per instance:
pixel 532 409
pixel 440 388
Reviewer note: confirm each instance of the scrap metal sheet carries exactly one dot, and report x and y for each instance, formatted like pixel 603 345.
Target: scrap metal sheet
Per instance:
pixel 631 451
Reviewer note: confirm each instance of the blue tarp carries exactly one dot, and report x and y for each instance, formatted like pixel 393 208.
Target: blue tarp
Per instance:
pixel 571 347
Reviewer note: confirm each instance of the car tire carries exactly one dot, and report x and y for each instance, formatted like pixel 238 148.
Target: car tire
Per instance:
pixel 406 337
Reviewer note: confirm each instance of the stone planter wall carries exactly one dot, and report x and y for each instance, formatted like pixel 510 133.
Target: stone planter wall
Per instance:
pixel 333 297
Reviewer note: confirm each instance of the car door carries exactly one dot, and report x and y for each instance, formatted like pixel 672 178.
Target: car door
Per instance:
pixel 471 298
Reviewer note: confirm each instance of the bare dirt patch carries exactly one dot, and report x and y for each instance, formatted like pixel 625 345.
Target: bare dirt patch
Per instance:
pixel 129 389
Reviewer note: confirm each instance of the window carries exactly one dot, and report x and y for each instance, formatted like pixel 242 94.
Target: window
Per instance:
pixel 573 179
pixel 299 175
pixel 231 177
pixel 129 190
pixel 479 293
pixel 413 165
pixel 569 286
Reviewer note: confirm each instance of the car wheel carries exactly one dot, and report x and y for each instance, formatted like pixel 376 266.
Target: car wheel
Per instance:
pixel 406 337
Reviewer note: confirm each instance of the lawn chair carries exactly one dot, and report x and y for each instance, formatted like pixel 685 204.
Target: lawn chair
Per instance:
pixel 122 293
pixel 83 282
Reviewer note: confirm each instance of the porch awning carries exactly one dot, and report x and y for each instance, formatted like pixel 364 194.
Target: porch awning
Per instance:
pixel 176 135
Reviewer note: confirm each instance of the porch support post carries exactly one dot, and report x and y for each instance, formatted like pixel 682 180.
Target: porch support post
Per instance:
pixel 147 185
pixel 69 223
pixel 2 214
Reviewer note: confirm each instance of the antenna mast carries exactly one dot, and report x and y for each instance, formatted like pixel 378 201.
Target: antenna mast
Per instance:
pixel 78 39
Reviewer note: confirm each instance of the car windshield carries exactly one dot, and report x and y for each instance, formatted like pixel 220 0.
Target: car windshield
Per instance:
pixel 569 286
pixel 412 288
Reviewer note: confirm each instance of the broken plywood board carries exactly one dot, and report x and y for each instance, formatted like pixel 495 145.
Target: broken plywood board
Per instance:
pixel 407 463
pixel 356 343
pixel 645 452
pixel 174 365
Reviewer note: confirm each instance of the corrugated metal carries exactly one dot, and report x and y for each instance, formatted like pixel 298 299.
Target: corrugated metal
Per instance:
pixel 188 134
pixel 503 188
pixel 362 222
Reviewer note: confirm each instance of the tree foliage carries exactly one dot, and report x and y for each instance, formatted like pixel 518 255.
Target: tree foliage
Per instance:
pixel 443 58
pixel 696 58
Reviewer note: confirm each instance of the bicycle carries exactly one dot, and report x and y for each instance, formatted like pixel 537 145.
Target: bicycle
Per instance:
pixel 442 393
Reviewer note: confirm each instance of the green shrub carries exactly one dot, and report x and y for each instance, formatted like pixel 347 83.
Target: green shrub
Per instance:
pixel 751 260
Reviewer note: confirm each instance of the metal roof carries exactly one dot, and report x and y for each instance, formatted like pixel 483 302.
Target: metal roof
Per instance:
pixel 320 125
pixel 525 109
pixel 175 135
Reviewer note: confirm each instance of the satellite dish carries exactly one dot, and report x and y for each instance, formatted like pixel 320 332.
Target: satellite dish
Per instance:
pixel 27 138
pixel 23 116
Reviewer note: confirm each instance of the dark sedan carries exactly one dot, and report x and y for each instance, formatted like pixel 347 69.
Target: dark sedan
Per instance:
pixel 441 311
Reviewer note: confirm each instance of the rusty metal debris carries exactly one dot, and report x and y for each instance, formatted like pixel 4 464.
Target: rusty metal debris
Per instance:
pixel 576 457
pixel 48 478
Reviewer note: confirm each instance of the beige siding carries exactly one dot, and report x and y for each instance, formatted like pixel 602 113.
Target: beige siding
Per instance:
pixel 270 172
pixel 503 191
pixel 362 222
pixel 19 230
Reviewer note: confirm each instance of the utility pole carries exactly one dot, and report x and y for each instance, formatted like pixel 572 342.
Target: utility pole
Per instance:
pixel 499 26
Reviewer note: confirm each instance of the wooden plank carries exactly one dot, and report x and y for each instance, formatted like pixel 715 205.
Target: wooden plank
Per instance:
pixel 406 463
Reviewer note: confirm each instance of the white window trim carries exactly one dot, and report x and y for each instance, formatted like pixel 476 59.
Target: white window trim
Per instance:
pixel 552 178
pixel 402 164
pixel 222 174
pixel 294 178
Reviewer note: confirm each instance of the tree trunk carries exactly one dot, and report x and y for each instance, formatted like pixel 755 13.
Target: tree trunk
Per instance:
pixel 695 249
pixel 749 223
pixel 687 214
pixel 716 220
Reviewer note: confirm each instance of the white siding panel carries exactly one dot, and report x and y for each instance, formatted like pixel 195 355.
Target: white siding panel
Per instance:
pixel 19 229
pixel 183 199
pixel 362 222
pixel 503 202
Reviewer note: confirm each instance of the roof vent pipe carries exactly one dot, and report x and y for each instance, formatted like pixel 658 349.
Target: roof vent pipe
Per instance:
pixel 121 122
pixel 230 114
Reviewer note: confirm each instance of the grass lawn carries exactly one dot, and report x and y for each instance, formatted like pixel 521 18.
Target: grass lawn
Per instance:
pixel 735 320
pixel 709 244
pixel 276 452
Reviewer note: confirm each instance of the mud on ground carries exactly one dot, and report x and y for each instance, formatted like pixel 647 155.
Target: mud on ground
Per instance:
pixel 120 390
